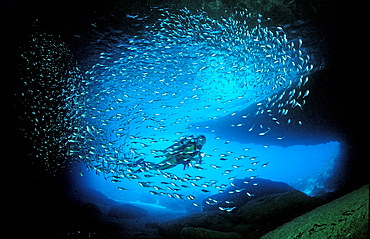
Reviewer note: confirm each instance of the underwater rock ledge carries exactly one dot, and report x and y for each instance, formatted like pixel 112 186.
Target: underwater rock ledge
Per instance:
pixel 345 217
pixel 252 220
pixel 191 232
pixel 265 187
pixel 304 217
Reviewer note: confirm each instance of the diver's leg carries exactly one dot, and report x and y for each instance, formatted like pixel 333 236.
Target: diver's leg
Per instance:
pixel 165 164
pixel 164 167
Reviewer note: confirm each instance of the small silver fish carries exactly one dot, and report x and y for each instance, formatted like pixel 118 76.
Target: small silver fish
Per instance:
pixel 190 197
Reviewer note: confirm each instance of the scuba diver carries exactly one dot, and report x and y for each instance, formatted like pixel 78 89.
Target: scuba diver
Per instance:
pixel 184 151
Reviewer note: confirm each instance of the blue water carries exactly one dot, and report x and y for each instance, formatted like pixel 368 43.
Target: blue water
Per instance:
pixel 173 78
pixel 304 167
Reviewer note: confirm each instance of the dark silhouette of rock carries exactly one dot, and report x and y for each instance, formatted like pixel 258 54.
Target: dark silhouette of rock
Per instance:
pixel 151 225
pixel 251 231
pixel 211 221
pixel 277 207
pixel 191 232
pixel 214 222
pixel 127 211
pixel 89 195
pixel 172 228
pixel 91 210
pixel 257 187
pixel 264 214
pixel 267 210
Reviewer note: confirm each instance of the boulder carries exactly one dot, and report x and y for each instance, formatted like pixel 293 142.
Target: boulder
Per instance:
pixel 191 232
pixel 277 207
pixel 152 225
pixel 127 211
pixel 251 231
pixel 172 228
pixel 89 195
pixel 345 217
pixel 252 220
pixel 257 187
pixel 90 210
pixel 212 221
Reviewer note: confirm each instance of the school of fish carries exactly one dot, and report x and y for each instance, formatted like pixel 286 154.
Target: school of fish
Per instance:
pixel 154 87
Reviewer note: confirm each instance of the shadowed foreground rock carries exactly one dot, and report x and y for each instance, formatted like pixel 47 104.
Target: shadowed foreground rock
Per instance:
pixel 278 207
pixel 191 232
pixel 346 217
pixel 265 187
pixel 211 221
pixel 252 220
pixel 127 211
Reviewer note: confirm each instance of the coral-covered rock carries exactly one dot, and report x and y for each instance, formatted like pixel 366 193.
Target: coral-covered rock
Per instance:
pixel 346 217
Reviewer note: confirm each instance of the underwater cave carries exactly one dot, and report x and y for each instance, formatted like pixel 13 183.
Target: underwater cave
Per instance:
pixel 111 104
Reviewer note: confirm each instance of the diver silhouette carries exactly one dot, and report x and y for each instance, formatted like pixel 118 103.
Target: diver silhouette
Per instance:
pixel 185 150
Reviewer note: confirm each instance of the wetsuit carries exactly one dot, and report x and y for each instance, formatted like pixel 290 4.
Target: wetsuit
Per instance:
pixel 182 155
pixel 182 152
